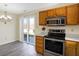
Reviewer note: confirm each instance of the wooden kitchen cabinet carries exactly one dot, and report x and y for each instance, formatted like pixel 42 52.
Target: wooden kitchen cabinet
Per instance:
pixel 70 48
pixel 72 14
pixel 77 49
pixel 62 11
pixel 42 17
pixel 51 13
pixel 40 44
pixel 71 11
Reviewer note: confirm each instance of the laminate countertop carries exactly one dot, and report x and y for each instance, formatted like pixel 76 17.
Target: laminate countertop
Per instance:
pixel 67 38
pixel 72 39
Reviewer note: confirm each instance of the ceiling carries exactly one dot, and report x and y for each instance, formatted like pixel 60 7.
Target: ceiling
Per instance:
pixel 18 8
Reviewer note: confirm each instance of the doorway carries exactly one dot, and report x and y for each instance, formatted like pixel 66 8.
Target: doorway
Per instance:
pixel 29 27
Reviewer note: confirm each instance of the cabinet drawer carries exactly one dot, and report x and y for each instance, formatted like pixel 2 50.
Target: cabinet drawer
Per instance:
pixel 40 41
pixel 39 37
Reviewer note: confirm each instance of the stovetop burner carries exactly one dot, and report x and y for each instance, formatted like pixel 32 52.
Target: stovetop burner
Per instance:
pixel 60 34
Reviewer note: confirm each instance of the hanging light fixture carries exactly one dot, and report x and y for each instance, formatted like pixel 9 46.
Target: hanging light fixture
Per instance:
pixel 5 18
pixel 24 13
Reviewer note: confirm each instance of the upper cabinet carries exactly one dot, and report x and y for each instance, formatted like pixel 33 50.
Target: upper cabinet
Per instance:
pixel 51 13
pixel 62 11
pixel 42 17
pixel 72 14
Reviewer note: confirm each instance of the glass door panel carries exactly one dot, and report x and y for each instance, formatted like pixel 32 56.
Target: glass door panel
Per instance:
pixel 25 23
pixel 31 30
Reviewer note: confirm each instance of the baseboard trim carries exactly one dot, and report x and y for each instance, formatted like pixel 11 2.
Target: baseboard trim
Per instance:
pixel 3 43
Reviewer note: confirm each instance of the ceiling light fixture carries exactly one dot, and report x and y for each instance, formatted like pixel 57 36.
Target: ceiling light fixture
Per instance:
pixel 5 18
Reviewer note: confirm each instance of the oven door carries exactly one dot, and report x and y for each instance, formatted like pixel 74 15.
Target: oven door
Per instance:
pixel 54 47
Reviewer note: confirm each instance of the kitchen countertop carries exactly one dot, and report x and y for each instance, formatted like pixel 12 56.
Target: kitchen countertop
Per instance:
pixel 72 39
pixel 39 35
pixel 67 38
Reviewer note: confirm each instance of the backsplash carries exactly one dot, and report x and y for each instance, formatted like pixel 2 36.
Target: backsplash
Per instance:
pixel 38 31
pixel 72 31
pixel 56 27
pixel 76 36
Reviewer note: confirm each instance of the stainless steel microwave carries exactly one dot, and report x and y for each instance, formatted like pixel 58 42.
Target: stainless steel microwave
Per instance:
pixel 56 20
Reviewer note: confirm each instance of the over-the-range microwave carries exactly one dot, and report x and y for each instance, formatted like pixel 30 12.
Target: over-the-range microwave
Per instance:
pixel 59 21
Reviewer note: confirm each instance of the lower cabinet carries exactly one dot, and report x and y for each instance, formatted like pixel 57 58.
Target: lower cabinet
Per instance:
pixel 71 48
pixel 77 49
pixel 40 44
pixel 70 51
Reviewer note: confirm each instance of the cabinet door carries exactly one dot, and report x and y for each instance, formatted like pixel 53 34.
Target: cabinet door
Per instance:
pixel 42 17
pixel 72 14
pixel 78 13
pixel 70 48
pixel 77 49
pixel 62 11
pixel 40 44
pixel 51 13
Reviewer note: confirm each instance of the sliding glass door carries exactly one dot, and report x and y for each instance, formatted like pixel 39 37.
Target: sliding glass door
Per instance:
pixel 29 36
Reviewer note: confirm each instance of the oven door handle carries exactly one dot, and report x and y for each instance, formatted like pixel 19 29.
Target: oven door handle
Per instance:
pixel 54 40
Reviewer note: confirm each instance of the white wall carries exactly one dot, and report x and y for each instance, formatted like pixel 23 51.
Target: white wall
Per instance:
pixel 17 28
pixel 8 32
pixel 21 28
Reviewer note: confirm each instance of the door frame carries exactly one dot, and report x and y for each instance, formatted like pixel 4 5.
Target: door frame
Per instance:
pixel 21 30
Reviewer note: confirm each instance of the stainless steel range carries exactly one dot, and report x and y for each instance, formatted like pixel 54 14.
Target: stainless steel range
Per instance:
pixel 54 42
